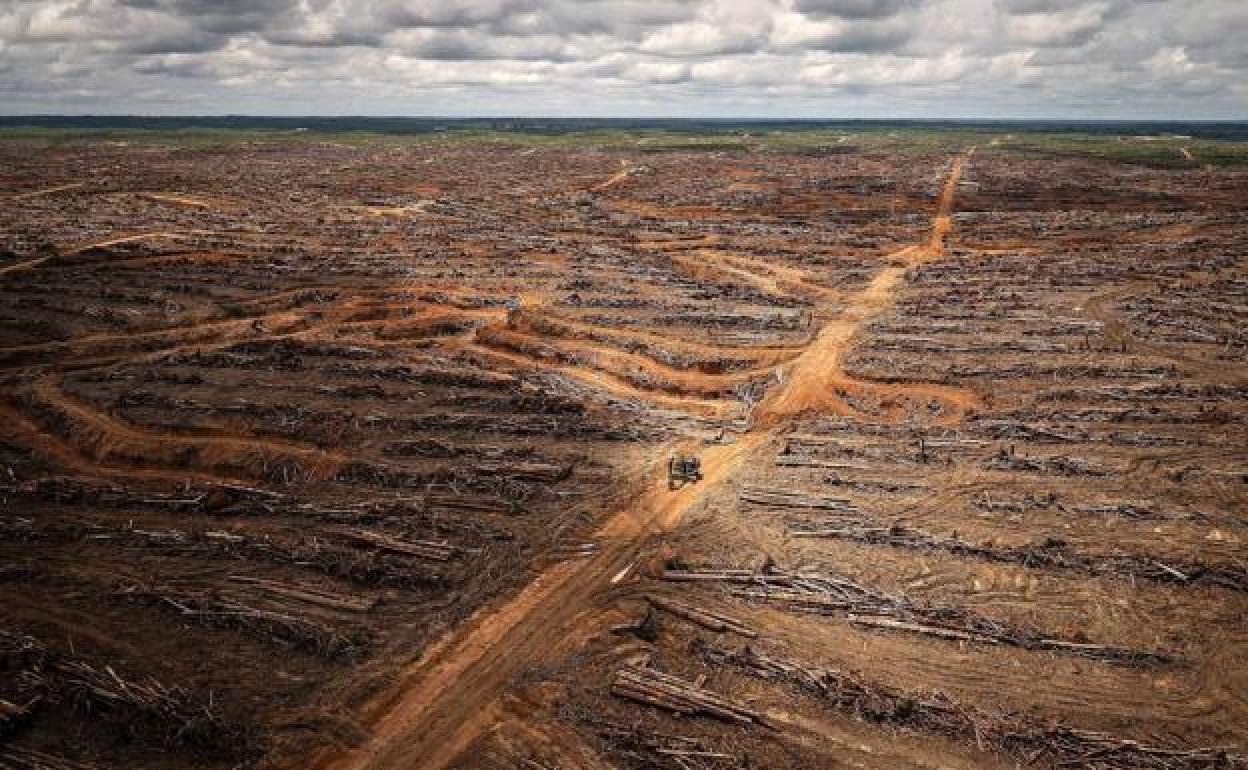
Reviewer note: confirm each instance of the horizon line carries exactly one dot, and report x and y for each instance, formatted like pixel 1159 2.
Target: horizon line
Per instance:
pixel 682 118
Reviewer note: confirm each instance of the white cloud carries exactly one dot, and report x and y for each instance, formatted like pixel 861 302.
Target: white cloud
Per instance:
pixel 1066 27
pixel 810 58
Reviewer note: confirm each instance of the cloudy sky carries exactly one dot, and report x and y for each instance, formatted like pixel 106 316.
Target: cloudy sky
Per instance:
pixel 730 58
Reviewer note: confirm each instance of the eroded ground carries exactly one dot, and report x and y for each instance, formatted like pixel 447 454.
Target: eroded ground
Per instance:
pixel 355 457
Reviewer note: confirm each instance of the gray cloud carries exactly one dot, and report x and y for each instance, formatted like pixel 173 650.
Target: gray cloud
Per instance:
pixel 809 58
pixel 855 9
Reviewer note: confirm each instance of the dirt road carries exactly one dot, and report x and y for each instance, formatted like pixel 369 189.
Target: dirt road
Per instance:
pixel 615 178
pixel 45 191
pixel 36 262
pixel 110 433
pixel 440 704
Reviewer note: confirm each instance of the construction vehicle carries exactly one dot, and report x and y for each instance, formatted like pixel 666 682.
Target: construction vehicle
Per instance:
pixel 682 470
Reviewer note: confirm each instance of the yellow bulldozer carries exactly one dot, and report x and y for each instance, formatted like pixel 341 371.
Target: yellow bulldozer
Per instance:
pixel 682 470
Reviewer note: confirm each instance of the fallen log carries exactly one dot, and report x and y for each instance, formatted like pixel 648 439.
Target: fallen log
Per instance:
pixel 14 717
pixel 1013 735
pixel 21 758
pixel 723 575
pixel 670 693
pixel 427 549
pixel 944 633
pixel 309 594
pixel 782 499
pixel 825 594
pixel 1053 552
pixel 709 620
pixel 226 612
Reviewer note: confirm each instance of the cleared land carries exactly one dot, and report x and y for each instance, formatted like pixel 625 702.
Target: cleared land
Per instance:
pixel 356 456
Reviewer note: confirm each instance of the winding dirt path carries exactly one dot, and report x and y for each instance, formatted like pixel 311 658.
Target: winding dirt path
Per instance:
pixel 187 201
pixel 78 249
pixel 109 432
pixel 46 191
pixel 25 264
pixel 135 237
pixel 812 380
pixel 439 704
pixel 20 427
pixel 611 384
pixel 615 178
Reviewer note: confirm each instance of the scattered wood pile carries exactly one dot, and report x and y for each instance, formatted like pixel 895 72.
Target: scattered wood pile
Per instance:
pixel 379 559
pixel 655 688
pixel 284 627
pixel 872 486
pixel 308 594
pixel 1012 735
pixel 13 716
pixel 708 619
pixel 820 593
pixel 1053 552
pixel 19 758
pixel 653 750
pixel 425 549
pixel 779 498
pixel 1059 465
pixel 144 709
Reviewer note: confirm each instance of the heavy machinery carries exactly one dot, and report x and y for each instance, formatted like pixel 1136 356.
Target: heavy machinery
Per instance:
pixel 682 470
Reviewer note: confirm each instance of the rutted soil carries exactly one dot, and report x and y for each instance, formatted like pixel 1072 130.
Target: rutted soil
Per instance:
pixel 399 463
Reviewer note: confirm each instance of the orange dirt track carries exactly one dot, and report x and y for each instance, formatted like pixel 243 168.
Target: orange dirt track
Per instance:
pixel 442 703
pixel 357 456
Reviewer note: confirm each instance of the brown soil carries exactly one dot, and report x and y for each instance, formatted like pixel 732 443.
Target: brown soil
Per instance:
pixel 365 478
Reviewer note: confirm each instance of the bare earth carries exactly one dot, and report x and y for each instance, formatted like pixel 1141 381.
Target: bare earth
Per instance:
pixel 335 457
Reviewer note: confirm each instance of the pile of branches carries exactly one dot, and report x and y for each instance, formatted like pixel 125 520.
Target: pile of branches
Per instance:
pixel 14 716
pixel 1059 465
pixel 219 498
pixel 1052 552
pixel 220 611
pixel 655 688
pixel 1054 745
pixel 651 750
pixel 512 490
pixel 19 758
pixel 825 594
pixel 144 709
pixel 146 703
pixel 369 564
pixel 364 567
pixel 229 499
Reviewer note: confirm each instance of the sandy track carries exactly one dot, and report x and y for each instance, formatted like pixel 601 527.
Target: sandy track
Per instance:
pixel 78 249
pixel 611 384
pixel 440 703
pixel 615 178
pixel 25 264
pixel 813 378
pixel 134 237
pixel 21 428
pixel 46 191
pixel 442 699
pixel 187 201
pixel 110 431
pixel 620 363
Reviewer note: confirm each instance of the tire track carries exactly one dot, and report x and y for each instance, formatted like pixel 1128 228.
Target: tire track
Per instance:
pixel 440 703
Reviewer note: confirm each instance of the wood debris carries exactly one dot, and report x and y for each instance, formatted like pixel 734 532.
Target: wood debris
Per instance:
pixel 1013 735
pixel 824 594
pixel 708 619
pixel 655 688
